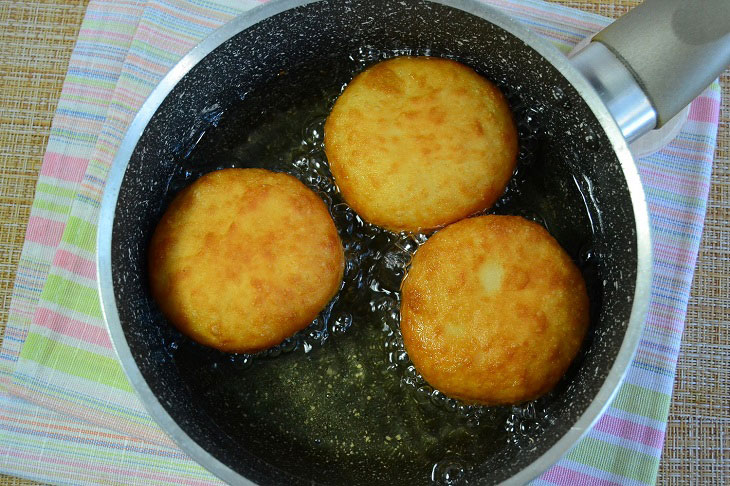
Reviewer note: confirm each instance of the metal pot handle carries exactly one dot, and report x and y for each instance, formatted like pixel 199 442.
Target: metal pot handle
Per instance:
pixel 672 48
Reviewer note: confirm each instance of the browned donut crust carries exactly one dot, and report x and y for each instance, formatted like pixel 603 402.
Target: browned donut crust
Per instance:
pixel 493 310
pixel 244 258
pixel 415 143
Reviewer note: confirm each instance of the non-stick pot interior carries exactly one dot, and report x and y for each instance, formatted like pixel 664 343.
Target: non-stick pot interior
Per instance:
pixel 340 403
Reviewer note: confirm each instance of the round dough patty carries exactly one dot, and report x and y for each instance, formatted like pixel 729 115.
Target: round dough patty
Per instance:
pixel 415 143
pixel 244 258
pixel 493 310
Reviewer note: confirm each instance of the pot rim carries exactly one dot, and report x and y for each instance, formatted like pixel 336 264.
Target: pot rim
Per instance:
pixel 244 21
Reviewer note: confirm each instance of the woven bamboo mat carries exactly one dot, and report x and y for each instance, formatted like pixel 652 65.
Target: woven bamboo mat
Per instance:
pixel 36 39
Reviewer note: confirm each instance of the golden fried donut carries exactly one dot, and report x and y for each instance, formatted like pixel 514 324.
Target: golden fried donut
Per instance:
pixel 244 258
pixel 493 310
pixel 415 143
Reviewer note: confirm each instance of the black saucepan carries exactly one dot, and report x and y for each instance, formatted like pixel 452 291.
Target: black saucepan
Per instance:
pixel 340 403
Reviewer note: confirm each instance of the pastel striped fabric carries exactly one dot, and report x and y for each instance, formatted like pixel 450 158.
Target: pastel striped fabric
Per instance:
pixel 68 414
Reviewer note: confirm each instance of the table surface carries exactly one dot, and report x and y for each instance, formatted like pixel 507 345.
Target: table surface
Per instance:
pixel 36 39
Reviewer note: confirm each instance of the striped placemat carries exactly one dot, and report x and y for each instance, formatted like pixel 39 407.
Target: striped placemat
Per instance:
pixel 57 355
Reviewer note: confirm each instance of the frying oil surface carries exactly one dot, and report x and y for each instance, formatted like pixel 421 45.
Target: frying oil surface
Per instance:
pixel 343 393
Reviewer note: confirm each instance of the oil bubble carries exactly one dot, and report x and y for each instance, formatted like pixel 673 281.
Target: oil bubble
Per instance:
pixel 391 319
pixel 587 255
pixel 450 404
pixel 288 345
pixel 407 243
pixel 448 472
pixel 273 352
pixel 412 372
pixel 391 269
pixel 382 304
pixel 342 323
pixel 241 362
pixel 423 394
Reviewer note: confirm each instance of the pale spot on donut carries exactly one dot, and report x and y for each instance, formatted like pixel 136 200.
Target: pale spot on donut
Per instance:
pixel 491 275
